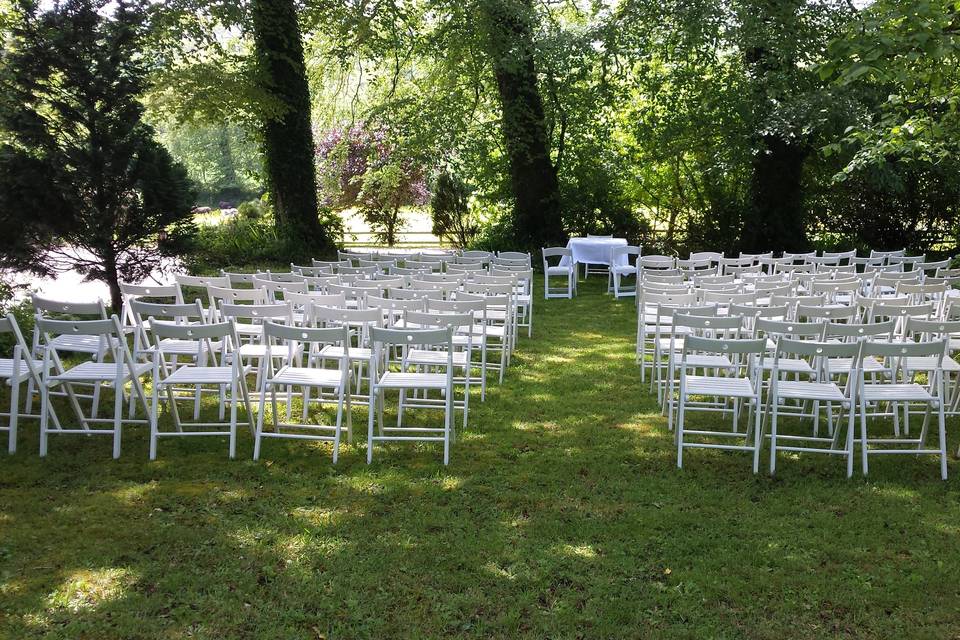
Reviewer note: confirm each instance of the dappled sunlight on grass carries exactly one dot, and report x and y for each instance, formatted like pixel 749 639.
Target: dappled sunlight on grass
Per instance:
pixel 562 514
pixel 87 589
pixel 583 551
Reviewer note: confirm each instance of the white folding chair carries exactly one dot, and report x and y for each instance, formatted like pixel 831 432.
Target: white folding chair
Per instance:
pixel 566 268
pixel 209 369
pixel 20 368
pixel 620 271
pixel 299 343
pixel 902 389
pixel 115 374
pixel 426 359
pixel 702 322
pixel 384 340
pixel 745 385
pixel 816 389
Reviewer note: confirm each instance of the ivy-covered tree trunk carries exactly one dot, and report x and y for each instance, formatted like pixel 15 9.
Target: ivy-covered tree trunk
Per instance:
pixel 533 177
pixel 775 218
pixel 287 136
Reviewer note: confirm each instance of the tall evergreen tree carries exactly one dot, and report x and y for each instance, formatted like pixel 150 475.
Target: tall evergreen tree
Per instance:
pixel 287 136
pixel 83 182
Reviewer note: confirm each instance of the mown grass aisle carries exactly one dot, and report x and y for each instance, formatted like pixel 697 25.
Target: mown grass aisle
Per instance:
pixel 561 515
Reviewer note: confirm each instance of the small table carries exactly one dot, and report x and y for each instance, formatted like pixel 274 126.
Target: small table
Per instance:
pixel 594 251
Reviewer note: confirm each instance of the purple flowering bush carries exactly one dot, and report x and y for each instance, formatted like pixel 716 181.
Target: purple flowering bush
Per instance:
pixel 360 166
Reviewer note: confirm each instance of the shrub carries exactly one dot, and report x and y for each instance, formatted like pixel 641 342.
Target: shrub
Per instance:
pixel 244 242
pixel 22 311
pixel 250 210
pixel 450 210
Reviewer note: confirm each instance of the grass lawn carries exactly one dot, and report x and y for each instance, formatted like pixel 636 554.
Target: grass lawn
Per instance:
pixel 561 515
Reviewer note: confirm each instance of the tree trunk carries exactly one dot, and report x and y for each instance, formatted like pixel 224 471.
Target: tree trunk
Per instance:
pixel 287 136
pixel 533 178
pixel 774 219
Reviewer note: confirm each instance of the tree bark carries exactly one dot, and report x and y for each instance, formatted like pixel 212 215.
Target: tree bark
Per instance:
pixel 775 218
pixel 508 31
pixel 287 136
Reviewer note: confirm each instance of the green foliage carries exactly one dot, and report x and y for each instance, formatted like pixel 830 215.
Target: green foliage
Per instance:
pixel 222 160
pixel 904 57
pixel 22 310
pixel 83 182
pixel 250 210
pixel 450 210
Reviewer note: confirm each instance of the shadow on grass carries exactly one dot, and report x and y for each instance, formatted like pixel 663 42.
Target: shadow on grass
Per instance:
pixel 561 515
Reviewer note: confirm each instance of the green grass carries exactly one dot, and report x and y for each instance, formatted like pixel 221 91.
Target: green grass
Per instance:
pixel 561 515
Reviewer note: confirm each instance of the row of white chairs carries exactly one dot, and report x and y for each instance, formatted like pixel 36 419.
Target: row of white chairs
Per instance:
pixel 761 329
pixel 629 262
pixel 172 335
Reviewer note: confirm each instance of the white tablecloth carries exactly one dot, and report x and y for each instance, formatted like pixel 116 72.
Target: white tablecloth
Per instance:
pixel 594 251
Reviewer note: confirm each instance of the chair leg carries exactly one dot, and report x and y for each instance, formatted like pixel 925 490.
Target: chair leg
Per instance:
pixel 371 407
pixel 233 418
pixel 258 436
pixel 336 433
pixel 117 417
pixel 14 408
pixel 154 412
pixel 774 413
pixel 44 417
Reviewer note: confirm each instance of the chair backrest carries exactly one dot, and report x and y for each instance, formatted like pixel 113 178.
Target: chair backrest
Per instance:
pixel 21 350
pixel 852 331
pixel 628 250
pixel 725 298
pixel 108 331
pixel 303 302
pixel 149 290
pixel 936 348
pixel 412 294
pixel 456 321
pixel 934 265
pixel 412 337
pixel 928 330
pixel 393 308
pixel 275 334
pixel 818 354
pixel 47 306
pixel 841 255
pixel 886 254
pixel 656 262
pixel 199 282
pixel 235 278
pixel 812 312
pixel 711 326
pixel 183 312
pixel 785 328
pixel 651 299
pixel 314 271
pixel 367 272
pixel 901 311
pixel 277 289
pixel 333 265
pixel 712 256
pixel 669 276
pixel 556 252
pixel 257 313
pixel 697 344
pixel 363 319
pixel 235 296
